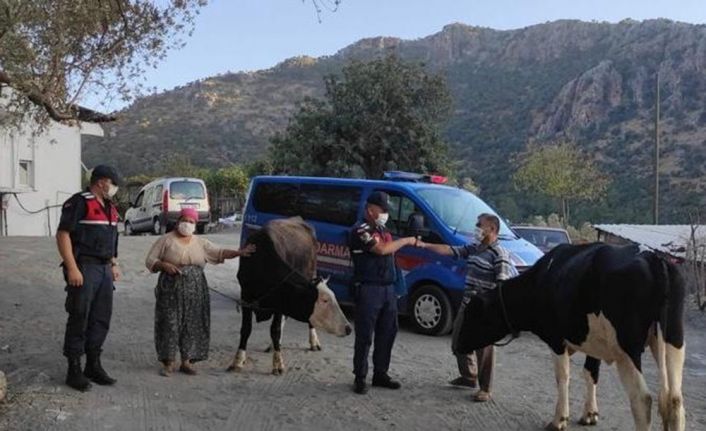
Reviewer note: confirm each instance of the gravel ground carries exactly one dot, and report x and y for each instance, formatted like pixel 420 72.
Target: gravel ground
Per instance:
pixel 314 393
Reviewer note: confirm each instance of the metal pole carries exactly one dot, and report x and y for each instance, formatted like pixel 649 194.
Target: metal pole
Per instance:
pixel 655 203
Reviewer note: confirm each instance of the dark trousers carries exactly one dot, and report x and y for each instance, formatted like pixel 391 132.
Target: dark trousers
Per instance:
pixel 375 315
pixel 477 365
pixel 90 308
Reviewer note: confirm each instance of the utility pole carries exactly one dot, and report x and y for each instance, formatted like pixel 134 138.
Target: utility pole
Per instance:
pixel 655 203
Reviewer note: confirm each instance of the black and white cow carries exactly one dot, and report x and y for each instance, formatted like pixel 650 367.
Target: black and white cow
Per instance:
pixel 608 302
pixel 279 280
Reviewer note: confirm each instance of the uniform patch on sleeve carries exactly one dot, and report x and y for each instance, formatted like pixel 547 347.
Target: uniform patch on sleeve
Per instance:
pixel 364 234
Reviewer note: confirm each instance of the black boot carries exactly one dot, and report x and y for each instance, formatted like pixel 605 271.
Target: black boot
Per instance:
pixel 359 386
pixel 74 377
pixel 95 371
pixel 383 380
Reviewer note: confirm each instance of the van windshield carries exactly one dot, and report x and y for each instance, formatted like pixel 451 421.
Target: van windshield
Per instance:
pixel 460 209
pixel 186 190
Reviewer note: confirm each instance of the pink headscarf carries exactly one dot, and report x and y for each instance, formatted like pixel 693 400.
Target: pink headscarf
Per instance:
pixel 190 213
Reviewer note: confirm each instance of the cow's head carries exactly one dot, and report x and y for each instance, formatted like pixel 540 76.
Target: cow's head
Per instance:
pixel 327 314
pixel 483 322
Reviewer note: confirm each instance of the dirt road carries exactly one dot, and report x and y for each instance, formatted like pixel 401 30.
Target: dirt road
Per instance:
pixel 315 392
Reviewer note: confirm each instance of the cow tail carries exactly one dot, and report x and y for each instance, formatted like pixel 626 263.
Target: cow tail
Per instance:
pixel 672 317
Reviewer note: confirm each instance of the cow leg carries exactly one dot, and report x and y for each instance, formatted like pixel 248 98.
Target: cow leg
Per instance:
pixel 636 388
pixel 276 335
pixel 314 344
pixel 675 368
pixel 590 375
pixel 270 348
pixel 562 374
pixel 657 347
pixel 245 331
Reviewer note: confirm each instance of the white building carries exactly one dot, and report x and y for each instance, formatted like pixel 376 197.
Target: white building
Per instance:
pixel 670 240
pixel 38 172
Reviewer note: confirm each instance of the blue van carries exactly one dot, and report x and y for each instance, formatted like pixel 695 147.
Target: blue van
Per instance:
pixel 334 205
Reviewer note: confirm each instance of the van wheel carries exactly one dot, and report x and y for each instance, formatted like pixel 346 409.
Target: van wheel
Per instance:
pixel 128 229
pixel 158 228
pixel 430 309
pixel 201 228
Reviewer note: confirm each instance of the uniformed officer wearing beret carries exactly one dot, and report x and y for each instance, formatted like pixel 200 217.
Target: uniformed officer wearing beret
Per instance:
pixel 374 275
pixel 87 239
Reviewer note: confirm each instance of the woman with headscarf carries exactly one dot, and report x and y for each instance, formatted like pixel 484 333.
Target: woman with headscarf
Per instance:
pixel 182 311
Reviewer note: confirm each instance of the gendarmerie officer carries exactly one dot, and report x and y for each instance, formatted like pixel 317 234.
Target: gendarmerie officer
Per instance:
pixel 87 239
pixel 374 275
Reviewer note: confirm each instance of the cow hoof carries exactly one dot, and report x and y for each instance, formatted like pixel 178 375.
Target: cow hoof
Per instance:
pixel 589 419
pixel 553 427
pixel 277 372
pixel 268 349
pixel 315 348
pixel 238 362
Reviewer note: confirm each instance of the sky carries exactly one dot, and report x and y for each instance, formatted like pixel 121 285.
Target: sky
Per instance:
pixel 245 35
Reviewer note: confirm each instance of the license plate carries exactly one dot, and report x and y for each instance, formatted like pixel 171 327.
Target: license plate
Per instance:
pixel 195 206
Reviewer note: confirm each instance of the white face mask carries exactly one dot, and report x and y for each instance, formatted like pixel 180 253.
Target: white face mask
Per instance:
pixel 478 234
pixel 382 219
pixel 112 190
pixel 186 228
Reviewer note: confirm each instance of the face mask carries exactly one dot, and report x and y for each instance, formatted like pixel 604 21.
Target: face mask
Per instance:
pixel 478 234
pixel 382 219
pixel 112 190
pixel 186 228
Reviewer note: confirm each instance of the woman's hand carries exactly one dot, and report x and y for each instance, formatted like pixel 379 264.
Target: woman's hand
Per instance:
pixel 169 268
pixel 247 250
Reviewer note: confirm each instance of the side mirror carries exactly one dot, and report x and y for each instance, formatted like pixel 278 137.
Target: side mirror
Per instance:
pixel 415 225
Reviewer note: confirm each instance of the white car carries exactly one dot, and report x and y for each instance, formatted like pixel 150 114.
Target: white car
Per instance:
pixel 157 206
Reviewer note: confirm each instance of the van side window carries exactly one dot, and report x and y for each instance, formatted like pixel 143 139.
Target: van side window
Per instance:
pixel 138 201
pixel 276 198
pixel 401 207
pixel 147 199
pixel 158 194
pixel 329 204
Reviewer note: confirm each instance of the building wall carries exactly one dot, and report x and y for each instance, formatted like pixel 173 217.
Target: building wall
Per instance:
pixel 56 160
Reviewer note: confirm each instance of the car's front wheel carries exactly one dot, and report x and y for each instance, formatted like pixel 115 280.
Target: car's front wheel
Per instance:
pixel 158 228
pixel 430 309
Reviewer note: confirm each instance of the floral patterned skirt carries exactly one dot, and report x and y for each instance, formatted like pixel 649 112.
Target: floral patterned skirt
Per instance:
pixel 182 315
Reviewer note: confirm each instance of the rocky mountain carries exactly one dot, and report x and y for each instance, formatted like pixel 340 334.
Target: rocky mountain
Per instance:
pixel 591 82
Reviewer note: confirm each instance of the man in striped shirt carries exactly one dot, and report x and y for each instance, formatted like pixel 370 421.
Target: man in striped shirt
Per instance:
pixel 488 263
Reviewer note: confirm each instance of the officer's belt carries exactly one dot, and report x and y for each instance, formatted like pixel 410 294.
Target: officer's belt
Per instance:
pixel 93 260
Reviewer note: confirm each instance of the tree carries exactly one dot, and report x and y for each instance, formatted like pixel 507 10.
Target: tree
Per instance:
pixel 560 171
pixel 379 115
pixel 54 51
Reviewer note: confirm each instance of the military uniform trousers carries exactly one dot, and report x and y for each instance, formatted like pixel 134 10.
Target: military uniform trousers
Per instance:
pixel 90 308
pixel 375 323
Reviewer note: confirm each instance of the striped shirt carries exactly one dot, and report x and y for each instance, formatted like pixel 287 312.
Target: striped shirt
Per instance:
pixel 486 266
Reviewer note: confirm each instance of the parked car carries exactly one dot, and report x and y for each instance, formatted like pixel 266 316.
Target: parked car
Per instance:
pixel 158 204
pixel 545 238
pixel 421 206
